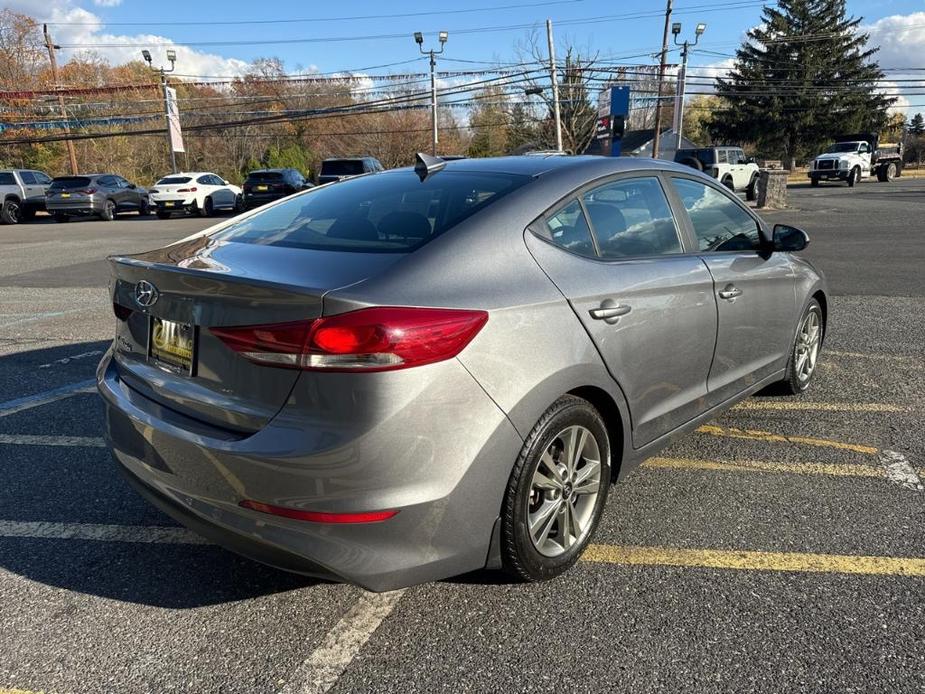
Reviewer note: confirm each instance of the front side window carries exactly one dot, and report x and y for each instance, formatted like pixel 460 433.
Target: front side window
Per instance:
pixel 632 218
pixel 569 229
pixel 6 179
pixel 720 224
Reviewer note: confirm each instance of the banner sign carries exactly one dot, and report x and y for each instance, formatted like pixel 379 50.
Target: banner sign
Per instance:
pixel 173 120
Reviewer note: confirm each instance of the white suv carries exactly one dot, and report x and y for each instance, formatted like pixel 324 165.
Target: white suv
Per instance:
pixel 728 165
pixel 198 192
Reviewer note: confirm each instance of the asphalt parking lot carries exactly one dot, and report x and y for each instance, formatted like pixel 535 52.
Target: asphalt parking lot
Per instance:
pixel 779 548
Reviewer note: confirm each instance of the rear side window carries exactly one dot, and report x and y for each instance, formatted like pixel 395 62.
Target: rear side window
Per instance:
pixel 719 223
pixel 41 178
pixel 66 182
pixel 6 179
pixel 569 229
pixel 396 212
pixel 721 156
pixel 28 178
pixel 342 167
pixel 632 218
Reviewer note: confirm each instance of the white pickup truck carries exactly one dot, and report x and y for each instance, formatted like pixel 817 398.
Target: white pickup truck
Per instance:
pixel 855 157
pixel 22 194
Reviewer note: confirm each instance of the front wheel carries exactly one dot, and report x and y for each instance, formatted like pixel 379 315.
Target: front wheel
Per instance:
pixel 556 492
pixel 144 208
pixel 10 212
pixel 751 193
pixel 207 209
pixel 805 351
pixel 814 182
pixel 854 177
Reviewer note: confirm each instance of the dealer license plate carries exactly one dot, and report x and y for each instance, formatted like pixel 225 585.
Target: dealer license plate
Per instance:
pixel 173 344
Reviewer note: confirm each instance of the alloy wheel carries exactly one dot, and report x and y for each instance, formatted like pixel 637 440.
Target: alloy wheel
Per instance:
pixel 807 347
pixel 564 491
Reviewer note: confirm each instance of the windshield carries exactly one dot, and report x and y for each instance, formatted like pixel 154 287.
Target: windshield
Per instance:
pixel 704 156
pixel 66 182
pixel 843 147
pixel 173 181
pixel 392 213
pixel 264 176
pixel 342 167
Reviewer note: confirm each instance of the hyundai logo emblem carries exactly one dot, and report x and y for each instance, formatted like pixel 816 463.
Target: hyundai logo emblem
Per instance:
pixel 146 294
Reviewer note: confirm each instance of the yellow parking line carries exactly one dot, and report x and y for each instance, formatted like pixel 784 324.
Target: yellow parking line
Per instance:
pixel 17 691
pixel 754 561
pixel 764 466
pixel 731 432
pixel 804 405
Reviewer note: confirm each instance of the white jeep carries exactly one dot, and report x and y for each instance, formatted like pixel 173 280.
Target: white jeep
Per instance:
pixel 727 164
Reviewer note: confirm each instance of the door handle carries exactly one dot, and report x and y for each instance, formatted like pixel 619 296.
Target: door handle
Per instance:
pixel 729 292
pixel 609 311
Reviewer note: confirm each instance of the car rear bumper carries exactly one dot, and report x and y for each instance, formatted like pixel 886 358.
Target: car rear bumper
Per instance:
pixel 172 204
pixel 85 206
pixel 252 200
pixel 447 488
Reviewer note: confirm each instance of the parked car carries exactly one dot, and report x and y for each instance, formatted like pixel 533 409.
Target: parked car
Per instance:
pixel 416 374
pixel 197 192
pixel 728 165
pixel 855 157
pixel 102 195
pixel 266 185
pixel 339 169
pixel 22 194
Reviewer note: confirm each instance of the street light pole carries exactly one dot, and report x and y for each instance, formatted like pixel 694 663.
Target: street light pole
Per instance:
pixel 682 77
pixel 554 76
pixel 419 39
pixel 661 79
pixel 172 57
pixel 71 153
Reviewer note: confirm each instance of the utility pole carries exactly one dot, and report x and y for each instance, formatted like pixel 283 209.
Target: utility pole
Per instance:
pixel 554 76
pixel 419 39
pixel 678 124
pixel 172 57
pixel 71 153
pixel 661 79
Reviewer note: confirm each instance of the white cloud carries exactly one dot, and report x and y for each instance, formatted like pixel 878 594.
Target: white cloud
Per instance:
pixel 107 3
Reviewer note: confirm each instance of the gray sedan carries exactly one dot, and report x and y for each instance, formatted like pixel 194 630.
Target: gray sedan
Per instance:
pixel 428 371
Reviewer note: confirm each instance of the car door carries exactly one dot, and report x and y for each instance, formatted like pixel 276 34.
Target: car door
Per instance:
pixel 33 191
pixel 616 253
pixel 739 169
pixel 755 290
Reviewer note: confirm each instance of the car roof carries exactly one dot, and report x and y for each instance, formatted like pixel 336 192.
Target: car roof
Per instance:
pixel 270 170
pixel 533 165
pixel 190 174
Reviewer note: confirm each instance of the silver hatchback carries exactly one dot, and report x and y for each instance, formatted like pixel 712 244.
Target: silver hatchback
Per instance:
pixel 427 371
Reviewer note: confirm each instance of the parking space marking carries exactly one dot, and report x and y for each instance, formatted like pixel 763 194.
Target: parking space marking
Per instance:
pixel 327 663
pixel 29 440
pixel 732 432
pixel 833 469
pixel 73 357
pixel 751 560
pixel 806 405
pixel 898 469
pixel 18 691
pixel 43 316
pixel 49 396
pixel 147 534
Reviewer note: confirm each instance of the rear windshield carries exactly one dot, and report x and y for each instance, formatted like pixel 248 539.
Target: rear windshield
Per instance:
pixel 342 167
pixel 265 176
pixel 391 213
pixel 704 156
pixel 66 182
pixel 173 180
pixel 6 179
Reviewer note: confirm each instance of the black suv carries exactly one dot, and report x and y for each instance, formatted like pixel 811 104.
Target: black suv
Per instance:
pixel 266 185
pixel 339 169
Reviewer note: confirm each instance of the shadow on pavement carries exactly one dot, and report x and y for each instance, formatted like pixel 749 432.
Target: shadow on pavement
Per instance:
pixel 68 485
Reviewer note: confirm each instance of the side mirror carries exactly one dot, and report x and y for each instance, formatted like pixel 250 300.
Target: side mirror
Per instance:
pixel 788 239
pixel 132 186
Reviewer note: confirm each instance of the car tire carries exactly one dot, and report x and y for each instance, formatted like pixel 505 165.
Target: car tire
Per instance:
pixel 854 177
pixel 550 495
pixel 207 209
pixel 729 184
pixel 109 211
pixel 60 217
pixel 10 212
pixel 814 182
pixel 751 193
pixel 887 173
pixel 144 208
pixel 238 204
pixel 162 214
pixel 692 162
pixel 804 354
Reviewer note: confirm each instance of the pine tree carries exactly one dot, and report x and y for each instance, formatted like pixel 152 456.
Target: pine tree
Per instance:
pixel 800 78
pixel 917 124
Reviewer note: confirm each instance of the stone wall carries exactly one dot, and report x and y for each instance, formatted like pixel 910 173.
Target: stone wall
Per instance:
pixel 772 189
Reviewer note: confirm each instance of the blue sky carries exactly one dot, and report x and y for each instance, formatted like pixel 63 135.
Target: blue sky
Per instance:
pixel 599 26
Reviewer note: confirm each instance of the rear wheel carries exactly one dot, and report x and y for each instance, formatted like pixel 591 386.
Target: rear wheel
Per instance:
pixel 814 182
pixel 556 492
pixel 10 213
pixel 238 204
pixel 887 173
pixel 109 211
pixel 805 350
pixel 143 208
pixel 693 162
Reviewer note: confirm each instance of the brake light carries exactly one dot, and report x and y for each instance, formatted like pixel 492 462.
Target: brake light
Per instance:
pixel 88 191
pixel 187 190
pixel 122 312
pixel 371 339
pixel 318 516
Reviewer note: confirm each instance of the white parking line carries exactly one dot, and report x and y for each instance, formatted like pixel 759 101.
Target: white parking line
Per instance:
pixel 30 440
pixel 327 663
pixel 73 357
pixel 900 471
pixel 27 403
pixel 147 534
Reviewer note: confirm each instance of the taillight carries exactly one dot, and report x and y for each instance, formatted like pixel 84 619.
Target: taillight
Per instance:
pixel 187 190
pixel 371 339
pixel 318 516
pixel 89 191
